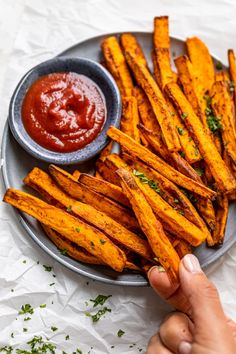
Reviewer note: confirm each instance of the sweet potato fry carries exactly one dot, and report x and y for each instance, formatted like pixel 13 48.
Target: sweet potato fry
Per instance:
pixel 222 108
pixel 106 151
pixel 162 67
pixel 202 64
pixel 221 76
pixel 225 180
pixel 221 217
pixel 106 173
pixel 130 118
pixel 152 228
pixel 204 206
pixel 43 183
pixel 148 84
pixel 158 164
pixel 108 189
pixel 116 64
pixel 161 37
pixel 172 220
pixel 232 71
pixel 130 44
pixel 76 174
pixel 174 158
pixel 188 147
pixel 72 228
pixel 183 248
pixel 79 253
pixel 81 192
pixel 146 113
pixel 71 249
pixel 187 80
pixel 98 176
pixel 171 194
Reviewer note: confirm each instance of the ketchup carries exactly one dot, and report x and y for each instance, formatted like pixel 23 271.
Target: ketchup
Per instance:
pixel 63 112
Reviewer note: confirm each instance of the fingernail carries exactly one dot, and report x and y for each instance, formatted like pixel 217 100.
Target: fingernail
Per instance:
pixel 151 270
pixel 185 347
pixel 191 263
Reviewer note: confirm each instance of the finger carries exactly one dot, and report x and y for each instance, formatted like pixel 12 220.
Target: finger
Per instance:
pixel 206 309
pixel 160 282
pixel 174 330
pixel 232 326
pixel 155 346
pixel 202 294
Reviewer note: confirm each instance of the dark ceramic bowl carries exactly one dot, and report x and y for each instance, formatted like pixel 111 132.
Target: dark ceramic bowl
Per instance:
pixel 86 67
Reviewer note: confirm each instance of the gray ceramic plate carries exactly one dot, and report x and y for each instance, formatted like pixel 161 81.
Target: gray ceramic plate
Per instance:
pixel 17 163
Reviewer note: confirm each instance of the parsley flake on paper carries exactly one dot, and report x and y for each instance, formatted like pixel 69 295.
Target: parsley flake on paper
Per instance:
pixel 47 268
pixel 100 300
pixel 120 333
pixel 27 308
pixel 54 329
pixel 96 317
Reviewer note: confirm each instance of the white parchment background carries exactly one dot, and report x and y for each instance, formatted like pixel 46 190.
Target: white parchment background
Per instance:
pixel 36 30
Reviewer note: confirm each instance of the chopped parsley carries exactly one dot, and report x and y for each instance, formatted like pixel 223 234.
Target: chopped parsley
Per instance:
pixel 182 154
pixel 156 259
pixel 199 171
pixel 51 284
pixel 196 151
pixel 25 329
pixel 99 314
pixel 152 184
pixel 67 337
pixel 102 241
pixel 77 229
pixel 47 268
pixel 219 66
pixel 43 306
pixel 181 212
pixel 64 252
pixel 184 115
pixel 213 122
pixel 231 86
pixel 92 244
pixel 12 335
pixel 69 208
pixel 161 269
pixel 27 319
pixel 6 349
pixel 176 200
pixel 79 351
pixel 100 300
pixel 24 261
pixel 190 196
pixel 54 329
pixel 27 308
pixel 120 333
pixel 37 346
pixel 180 130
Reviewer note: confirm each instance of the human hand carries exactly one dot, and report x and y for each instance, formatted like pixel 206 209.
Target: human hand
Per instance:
pixel 201 327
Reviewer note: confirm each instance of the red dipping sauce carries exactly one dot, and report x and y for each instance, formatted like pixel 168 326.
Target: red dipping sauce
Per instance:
pixel 63 112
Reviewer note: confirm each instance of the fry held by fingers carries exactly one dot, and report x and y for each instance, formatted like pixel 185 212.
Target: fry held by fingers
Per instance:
pixel 151 227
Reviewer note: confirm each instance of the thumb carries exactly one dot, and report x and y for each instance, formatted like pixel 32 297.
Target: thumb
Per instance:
pixel 205 306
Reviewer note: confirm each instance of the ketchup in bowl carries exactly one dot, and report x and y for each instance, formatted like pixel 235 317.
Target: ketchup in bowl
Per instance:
pixel 63 112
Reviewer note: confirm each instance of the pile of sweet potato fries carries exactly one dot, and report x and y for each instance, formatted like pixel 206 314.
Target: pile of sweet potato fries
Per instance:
pixel 169 187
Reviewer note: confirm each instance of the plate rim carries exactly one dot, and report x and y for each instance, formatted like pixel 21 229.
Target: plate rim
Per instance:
pixel 24 224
